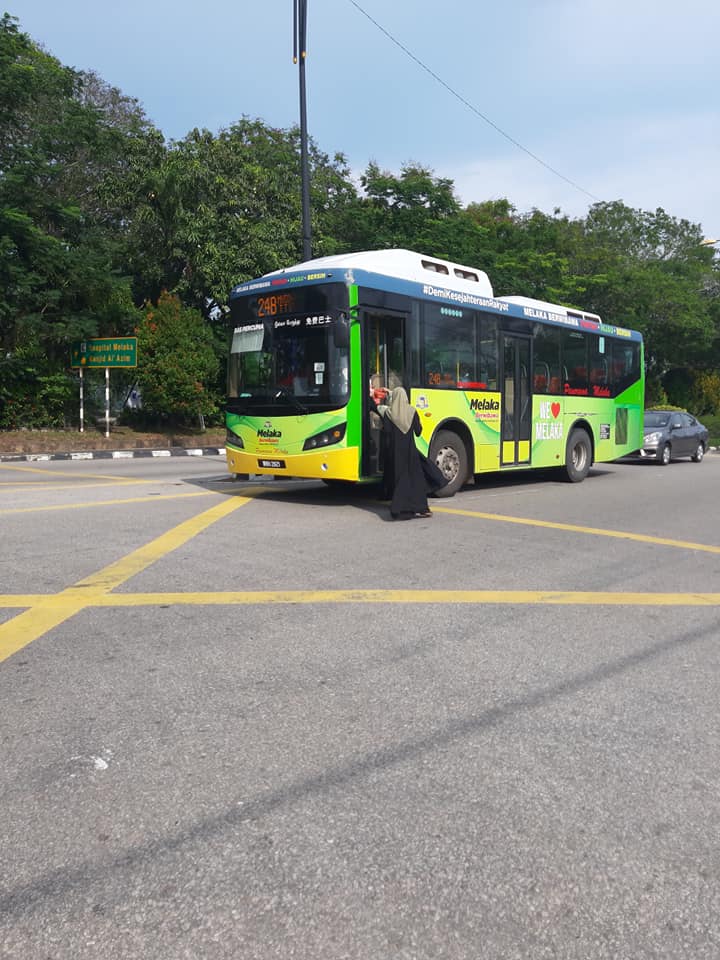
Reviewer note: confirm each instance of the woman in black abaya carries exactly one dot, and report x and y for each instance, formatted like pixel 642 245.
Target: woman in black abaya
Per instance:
pixel 408 477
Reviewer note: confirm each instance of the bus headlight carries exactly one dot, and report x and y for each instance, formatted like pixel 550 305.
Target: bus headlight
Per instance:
pixel 233 440
pixel 326 438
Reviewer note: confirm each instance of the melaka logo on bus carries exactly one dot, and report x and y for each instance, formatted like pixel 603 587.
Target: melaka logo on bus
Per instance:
pixel 485 404
pixel 267 432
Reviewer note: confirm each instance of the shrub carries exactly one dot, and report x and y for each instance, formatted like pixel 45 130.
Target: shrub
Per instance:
pixel 176 362
pixel 694 390
pixel 34 393
pixel 713 424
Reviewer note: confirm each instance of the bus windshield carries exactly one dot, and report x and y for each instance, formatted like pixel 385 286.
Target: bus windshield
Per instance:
pixel 274 357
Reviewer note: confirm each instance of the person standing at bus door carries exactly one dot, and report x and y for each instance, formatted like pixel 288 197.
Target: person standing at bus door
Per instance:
pixel 404 471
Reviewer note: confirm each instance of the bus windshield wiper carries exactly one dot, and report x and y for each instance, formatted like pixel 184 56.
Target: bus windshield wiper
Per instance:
pixel 284 392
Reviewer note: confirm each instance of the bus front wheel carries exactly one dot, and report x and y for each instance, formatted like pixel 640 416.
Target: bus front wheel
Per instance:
pixel 448 452
pixel 578 456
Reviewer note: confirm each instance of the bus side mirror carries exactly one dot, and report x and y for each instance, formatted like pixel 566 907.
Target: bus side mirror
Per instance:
pixel 341 333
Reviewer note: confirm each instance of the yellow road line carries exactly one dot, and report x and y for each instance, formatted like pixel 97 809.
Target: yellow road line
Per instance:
pixel 51 474
pixel 23 599
pixel 53 610
pixel 564 597
pixel 116 573
pixel 575 528
pixel 109 503
pixel 80 485
pixel 69 598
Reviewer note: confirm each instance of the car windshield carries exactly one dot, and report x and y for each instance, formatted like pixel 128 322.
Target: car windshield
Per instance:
pixel 657 418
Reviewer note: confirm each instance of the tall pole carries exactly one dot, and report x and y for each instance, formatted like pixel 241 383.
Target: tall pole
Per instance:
pixel 299 56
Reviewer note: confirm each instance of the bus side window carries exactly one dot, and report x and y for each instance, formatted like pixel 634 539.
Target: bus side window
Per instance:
pixel 488 352
pixel 575 361
pixel 546 358
pixel 625 365
pixel 541 378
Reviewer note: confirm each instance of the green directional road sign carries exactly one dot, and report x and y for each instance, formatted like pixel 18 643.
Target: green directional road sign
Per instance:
pixel 106 352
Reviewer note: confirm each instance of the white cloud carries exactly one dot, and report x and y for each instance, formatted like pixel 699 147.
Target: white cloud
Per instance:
pixel 668 162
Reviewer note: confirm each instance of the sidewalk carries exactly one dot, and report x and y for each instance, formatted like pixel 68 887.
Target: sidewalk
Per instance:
pixel 35 445
pixel 116 454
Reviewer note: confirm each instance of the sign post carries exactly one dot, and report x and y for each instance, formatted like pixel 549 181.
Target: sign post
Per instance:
pixel 82 403
pixel 104 352
pixel 107 402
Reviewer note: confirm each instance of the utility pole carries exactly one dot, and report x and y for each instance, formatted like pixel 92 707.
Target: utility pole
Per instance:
pixel 299 57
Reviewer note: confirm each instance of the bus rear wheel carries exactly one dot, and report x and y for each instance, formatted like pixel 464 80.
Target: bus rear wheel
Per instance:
pixel 448 452
pixel 578 456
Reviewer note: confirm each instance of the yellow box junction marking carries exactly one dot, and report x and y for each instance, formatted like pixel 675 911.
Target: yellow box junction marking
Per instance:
pixel 48 611
pixel 51 611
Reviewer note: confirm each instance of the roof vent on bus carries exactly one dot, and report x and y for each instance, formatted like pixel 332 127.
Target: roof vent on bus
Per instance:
pixel 435 267
pixel 466 275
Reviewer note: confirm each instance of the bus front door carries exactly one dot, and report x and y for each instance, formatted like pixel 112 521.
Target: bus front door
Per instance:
pixel 384 362
pixel 516 407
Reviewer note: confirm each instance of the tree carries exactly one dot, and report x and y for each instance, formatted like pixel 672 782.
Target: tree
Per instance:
pixel 406 211
pixel 211 210
pixel 60 270
pixel 177 364
pixel 647 270
pixel 57 261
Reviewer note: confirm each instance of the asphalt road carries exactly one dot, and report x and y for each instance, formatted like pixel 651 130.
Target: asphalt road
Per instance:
pixel 259 720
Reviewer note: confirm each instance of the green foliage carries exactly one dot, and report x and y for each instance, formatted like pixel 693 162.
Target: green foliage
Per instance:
pixel 408 211
pixel 713 424
pixel 58 257
pixel 706 392
pixel 695 390
pixel 655 395
pixel 34 393
pixel 176 361
pixel 208 211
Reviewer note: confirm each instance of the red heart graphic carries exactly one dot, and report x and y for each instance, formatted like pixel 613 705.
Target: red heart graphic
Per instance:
pixel 555 409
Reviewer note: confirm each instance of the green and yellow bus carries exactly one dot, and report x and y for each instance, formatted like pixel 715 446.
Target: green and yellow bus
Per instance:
pixel 500 383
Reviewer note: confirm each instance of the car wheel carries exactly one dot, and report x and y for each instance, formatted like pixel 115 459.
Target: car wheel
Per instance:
pixel 699 453
pixel 448 452
pixel 578 455
pixel 665 455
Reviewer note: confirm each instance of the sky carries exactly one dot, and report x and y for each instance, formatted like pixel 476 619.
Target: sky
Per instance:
pixel 552 104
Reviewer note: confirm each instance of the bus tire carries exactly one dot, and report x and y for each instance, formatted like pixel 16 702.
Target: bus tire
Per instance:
pixel 578 455
pixel 448 452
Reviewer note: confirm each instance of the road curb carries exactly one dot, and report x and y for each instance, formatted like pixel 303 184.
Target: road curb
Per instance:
pixel 115 454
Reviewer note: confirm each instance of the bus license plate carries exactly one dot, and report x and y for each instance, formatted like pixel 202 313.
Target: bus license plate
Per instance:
pixel 272 464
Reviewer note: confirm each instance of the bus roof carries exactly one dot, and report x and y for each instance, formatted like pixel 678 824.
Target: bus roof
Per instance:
pixel 417 275
pixel 404 265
